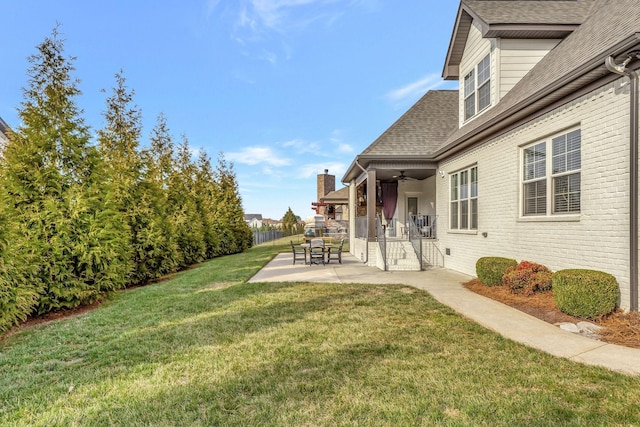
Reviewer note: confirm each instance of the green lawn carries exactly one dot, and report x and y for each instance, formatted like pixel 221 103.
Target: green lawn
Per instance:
pixel 205 348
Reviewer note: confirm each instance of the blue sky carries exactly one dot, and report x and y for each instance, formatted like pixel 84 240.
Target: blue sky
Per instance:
pixel 284 88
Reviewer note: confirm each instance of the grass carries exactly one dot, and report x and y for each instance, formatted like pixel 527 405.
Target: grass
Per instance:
pixel 205 348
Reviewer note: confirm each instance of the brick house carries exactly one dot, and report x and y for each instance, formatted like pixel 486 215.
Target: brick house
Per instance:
pixel 538 162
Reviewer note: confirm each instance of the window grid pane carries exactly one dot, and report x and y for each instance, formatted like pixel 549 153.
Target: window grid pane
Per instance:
pixel 474 214
pixel 566 194
pixel 535 161
pixel 484 96
pixel 535 198
pixel 474 182
pixel 464 214
pixel 454 215
pixel 469 84
pixel 484 70
pixel 454 187
pixel 464 185
pixel 470 106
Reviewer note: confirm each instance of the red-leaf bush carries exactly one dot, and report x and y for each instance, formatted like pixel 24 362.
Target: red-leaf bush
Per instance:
pixel 528 278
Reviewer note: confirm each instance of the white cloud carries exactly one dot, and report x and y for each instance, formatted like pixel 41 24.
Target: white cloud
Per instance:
pixel 258 155
pixel 311 169
pixel 409 93
pixel 336 139
pixel 300 146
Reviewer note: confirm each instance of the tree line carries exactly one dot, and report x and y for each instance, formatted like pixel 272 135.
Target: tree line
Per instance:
pixel 80 218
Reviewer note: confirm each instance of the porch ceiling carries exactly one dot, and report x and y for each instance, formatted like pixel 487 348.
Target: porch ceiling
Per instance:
pixel 393 174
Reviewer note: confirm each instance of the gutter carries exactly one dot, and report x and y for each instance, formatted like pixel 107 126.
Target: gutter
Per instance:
pixel 622 69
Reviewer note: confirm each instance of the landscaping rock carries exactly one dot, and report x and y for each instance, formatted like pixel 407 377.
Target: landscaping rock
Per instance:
pixel 569 327
pixel 586 329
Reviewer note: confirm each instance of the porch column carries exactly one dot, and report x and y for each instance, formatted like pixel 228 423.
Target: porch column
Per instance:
pixel 353 208
pixel 371 204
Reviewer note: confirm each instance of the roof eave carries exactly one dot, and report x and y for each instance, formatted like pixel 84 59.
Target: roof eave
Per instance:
pixel 460 30
pixel 537 31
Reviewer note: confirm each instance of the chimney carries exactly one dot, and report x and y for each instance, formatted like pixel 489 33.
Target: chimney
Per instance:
pixel 326 184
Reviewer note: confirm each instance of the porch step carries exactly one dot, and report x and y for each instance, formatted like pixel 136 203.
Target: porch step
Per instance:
pixel 401 256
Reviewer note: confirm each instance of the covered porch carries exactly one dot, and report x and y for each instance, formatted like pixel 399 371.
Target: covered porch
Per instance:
pixel 392 187
pixel 394 216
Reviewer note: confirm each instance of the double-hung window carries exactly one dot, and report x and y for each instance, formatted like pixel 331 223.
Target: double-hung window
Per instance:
pixel 551 183
pixel 477 88
pixel 464 200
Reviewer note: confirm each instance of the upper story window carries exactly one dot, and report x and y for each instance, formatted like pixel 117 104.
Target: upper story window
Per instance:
pixel 554 183
pixel 477 88
pixel 464 200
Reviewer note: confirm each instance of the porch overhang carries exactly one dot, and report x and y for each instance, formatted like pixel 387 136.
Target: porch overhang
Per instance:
pixel 388 168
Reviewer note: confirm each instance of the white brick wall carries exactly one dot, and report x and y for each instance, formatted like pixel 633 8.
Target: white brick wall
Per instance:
pixel 597 239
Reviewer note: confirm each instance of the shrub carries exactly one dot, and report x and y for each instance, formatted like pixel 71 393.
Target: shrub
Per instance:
pixel 585 293
pixel 491 269
pixel 527 278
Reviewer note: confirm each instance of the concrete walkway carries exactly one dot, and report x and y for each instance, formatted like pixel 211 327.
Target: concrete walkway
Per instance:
pixel 446 287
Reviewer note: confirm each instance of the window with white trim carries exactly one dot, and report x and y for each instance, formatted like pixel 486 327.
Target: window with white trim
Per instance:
pixel 554 184
pixel 464 200
pixel 477 88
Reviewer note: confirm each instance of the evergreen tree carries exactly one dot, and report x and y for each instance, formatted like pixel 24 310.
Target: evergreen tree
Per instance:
pixel 207 192
pixel 119 148
pixel 63 212
pixel 159 252
pixel 235 232
pixel 289 223
pixel 187 221
pixel 18 296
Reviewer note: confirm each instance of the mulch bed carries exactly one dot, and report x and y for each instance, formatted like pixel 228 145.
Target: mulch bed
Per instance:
pixel 619 327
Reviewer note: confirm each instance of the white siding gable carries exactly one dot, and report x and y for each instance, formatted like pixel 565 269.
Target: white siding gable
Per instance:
pixel 476 48
pixel 517 57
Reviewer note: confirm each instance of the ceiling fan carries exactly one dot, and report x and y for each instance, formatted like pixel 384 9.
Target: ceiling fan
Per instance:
pixel 403 177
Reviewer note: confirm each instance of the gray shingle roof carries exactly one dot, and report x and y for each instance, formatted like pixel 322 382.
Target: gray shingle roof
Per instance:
pixel 340 195
pixel 422 129
pixel 531 12
pixel 513 19
pixel 578 60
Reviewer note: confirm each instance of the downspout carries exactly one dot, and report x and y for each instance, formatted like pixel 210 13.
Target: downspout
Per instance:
pixel 633 186
pixel 367 239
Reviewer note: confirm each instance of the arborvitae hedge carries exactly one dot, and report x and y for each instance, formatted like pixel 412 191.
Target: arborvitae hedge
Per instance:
pixel 79 220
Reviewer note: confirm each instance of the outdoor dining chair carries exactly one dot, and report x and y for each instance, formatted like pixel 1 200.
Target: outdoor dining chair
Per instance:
pixel 299 253
pixel 335 253
pixel 316 252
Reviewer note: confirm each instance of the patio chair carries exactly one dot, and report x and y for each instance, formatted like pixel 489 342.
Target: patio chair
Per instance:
pixel 335 253
pixel 299 254
pixel 316 252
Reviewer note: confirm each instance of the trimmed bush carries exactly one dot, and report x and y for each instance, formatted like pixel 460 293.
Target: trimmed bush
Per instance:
pixel 491 269
pixel 527 278
pixel 585 293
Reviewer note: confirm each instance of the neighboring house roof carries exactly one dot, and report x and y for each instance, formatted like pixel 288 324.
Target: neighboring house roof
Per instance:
pixel 513 19
pixel 338 196
pixel 612 29
pixel 4 130
pixel 249 217
pixel 418 133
